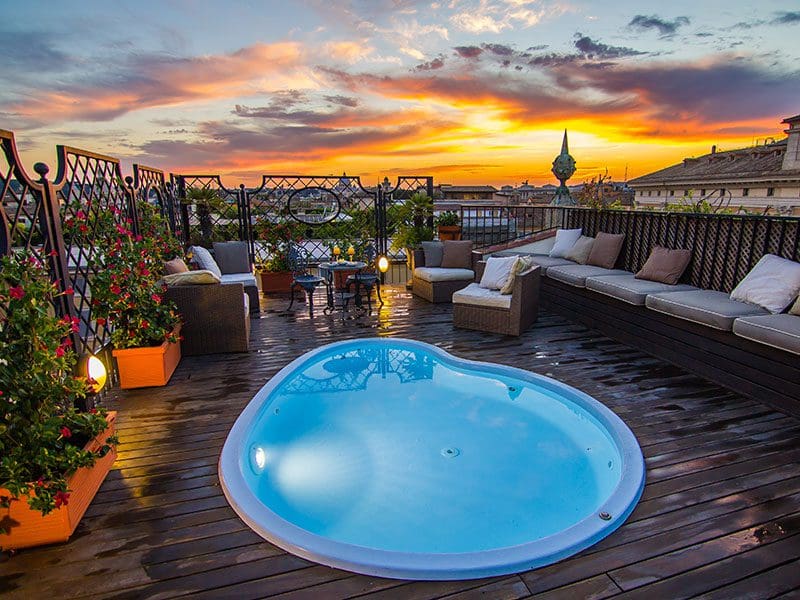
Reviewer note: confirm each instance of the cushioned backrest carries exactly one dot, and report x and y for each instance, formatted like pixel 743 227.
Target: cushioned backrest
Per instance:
pixel 232 257
pixel 433 253
pixel 457 255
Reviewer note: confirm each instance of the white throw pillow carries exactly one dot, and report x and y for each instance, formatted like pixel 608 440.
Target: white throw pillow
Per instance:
pixel 565 239
pixel 204 260
pixel 498 270
pixel 772 284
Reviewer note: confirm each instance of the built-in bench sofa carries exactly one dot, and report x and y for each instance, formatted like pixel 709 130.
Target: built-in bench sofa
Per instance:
pixel 693 324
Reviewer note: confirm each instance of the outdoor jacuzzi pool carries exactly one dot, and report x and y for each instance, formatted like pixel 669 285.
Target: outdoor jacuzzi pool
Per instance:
pixel 392 457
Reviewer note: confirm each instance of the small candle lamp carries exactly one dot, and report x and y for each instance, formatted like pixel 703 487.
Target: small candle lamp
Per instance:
pixel 336 252
pixel 351 251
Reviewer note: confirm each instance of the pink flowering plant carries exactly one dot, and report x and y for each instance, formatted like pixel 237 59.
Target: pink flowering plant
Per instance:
pixel 127 295
pixel 42 435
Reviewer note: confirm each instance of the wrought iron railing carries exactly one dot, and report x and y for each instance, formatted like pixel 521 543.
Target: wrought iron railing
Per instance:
pixel 491 225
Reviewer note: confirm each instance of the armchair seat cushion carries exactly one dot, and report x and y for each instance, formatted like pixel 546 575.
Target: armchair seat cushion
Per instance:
pixel 630 289
pixel 779 331
pixel 246 279
pixel 433 274
pixel 475 295
pixel 707 307
pixel 576 275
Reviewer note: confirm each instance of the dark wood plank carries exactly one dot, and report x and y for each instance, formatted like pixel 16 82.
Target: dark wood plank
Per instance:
pixel 721 466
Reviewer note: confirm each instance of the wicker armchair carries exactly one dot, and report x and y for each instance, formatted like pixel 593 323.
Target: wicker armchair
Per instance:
pixel 438 291
pixel 522 313
pixel 214 318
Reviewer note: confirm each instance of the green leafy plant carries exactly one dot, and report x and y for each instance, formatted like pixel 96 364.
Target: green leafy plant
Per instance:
pixel 127 296
pixel 448 218
pixel 276 239
pixel 411 221
pixel 209 203
pixel 41 433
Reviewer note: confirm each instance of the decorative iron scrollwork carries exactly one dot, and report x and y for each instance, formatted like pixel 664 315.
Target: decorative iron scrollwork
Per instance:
pixel 314 205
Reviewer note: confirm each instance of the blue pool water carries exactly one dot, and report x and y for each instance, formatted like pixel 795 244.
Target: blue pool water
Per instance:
pixel 391 457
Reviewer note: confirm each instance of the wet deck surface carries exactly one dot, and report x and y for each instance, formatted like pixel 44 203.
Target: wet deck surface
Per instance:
pixel 720 513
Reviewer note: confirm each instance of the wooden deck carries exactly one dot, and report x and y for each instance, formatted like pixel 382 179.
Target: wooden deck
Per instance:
pixel 720 513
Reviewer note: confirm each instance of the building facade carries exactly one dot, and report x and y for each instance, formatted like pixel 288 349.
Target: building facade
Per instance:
pixel 762 178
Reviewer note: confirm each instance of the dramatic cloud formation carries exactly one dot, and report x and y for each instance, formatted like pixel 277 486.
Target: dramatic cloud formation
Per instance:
pixel 475 87
pixel 664 27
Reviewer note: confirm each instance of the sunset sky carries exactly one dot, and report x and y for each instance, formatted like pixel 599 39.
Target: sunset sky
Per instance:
pixel 469 91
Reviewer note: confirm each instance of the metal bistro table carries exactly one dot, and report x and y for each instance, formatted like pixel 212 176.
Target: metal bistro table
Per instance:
pixel 335 274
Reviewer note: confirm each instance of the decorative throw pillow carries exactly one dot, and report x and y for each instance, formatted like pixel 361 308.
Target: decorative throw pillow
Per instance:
pixel 772 284
pixel 523 264
pixel 204 260
pixel 580 250
pixel 795 310
pixel 201 277
pixel 665 265
pixel 605 250
pixel 433 253
pixel 497 271
pixel 232 257
pixel 457 255
pixel 176 265
pixel 565 239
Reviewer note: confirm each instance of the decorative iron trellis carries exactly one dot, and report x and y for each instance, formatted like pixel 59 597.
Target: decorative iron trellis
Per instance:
pixel 333 210
pixel 220 217
pixel 152 187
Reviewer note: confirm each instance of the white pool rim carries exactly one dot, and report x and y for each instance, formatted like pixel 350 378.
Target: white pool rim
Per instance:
pixel 423 565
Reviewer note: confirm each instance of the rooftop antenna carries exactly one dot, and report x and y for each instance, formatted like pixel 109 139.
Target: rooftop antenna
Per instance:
pixel 626 173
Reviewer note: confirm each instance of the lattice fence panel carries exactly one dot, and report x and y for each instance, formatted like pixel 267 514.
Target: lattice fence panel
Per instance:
pixel 89 184
pixel 210 212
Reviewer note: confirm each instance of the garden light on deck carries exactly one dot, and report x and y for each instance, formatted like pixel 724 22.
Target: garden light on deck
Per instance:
pixel 95 372
pixel 383 264
pixel 351 251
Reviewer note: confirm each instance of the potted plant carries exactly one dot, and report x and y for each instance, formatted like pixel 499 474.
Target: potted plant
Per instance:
pixel 273 265
pixel 127 296
pixel 53 458
pixel 412 220
pixel 449 225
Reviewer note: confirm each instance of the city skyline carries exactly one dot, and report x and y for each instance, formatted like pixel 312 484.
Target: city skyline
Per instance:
pixel 467 91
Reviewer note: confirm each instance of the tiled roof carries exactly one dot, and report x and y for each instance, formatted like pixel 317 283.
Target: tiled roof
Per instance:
pixel 756 162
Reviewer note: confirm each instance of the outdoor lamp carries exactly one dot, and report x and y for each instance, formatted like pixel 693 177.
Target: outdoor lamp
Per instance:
pixel 383 264
pixel 336 252
pixel 351 251
pixel 95 372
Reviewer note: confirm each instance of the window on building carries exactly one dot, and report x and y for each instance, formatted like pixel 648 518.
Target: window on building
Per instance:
pixel 721 192
pixel 703 192
pixel 649 192
pixel 770 191
pixel 641 192
pixel 672 192
pixel 658 193
pixel 745 191
pixel 685 192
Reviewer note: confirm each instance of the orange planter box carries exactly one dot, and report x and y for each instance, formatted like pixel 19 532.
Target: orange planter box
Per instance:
pixel 279 282
pixel 147 367
pixel 29 528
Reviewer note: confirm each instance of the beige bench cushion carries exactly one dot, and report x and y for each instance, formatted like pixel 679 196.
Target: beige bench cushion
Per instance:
pixel 475 295
pixel 433 274
pixel 576 274
pixel 707 307
pixel 631 290
pixel 779 331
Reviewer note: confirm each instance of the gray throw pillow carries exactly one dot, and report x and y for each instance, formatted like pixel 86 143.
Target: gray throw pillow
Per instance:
pixel 232 257
pixel 605 249
pixel 433 253
pixel 203 259
pixel 580 250
pixel 457 255
pixel 665 265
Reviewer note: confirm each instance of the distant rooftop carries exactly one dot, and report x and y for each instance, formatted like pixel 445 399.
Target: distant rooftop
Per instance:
pixel 756 162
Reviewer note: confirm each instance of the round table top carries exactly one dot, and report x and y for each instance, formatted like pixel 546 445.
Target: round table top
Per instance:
pixel 343 264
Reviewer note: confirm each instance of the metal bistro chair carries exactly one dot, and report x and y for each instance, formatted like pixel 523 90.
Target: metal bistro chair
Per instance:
pixel 302 277
pixel 367 279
